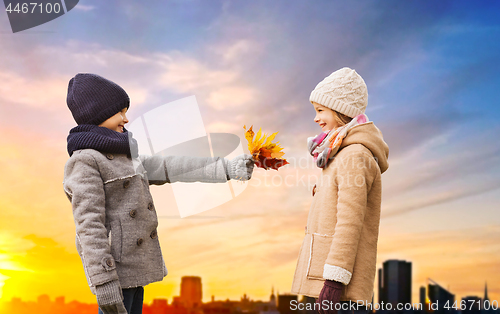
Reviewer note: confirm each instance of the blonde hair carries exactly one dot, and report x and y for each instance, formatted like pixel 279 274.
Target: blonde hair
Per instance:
pixel 342 119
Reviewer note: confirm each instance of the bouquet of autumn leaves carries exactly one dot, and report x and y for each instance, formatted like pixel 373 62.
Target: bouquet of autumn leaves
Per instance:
pixel 266 154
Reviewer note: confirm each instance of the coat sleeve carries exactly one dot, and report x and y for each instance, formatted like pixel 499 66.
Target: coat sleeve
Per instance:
pixel 169 169
pixel 354 179
pixel 85 189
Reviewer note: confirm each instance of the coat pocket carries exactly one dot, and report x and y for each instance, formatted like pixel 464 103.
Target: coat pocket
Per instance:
pixel 320 247
pixel 115 239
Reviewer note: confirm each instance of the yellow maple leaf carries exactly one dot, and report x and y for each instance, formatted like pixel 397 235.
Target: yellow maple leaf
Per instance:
pixel 266 154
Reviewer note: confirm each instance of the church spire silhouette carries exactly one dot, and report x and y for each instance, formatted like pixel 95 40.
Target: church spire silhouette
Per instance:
pixel 486 291
pixel 272 298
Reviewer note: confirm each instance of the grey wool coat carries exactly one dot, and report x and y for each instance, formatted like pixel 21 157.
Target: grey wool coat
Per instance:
pixel 114 213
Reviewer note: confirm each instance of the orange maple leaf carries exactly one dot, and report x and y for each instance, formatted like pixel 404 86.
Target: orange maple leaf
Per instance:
pixel 266 154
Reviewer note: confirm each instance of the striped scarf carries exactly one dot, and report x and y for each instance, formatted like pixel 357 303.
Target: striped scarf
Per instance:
pixel 325 145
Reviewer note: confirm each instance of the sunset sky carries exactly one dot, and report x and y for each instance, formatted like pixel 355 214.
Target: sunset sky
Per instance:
pixel 432 70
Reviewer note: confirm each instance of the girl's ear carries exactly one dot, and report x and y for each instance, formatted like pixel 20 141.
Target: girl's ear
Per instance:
pixel 342 119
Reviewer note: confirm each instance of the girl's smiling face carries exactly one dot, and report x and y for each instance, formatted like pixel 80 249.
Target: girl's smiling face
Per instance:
pixel 325 117
pixel 116 122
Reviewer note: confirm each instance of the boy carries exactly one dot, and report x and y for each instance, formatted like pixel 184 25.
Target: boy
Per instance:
pixel 108 186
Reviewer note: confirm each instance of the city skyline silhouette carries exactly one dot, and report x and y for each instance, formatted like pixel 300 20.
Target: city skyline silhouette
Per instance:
pixel 395 289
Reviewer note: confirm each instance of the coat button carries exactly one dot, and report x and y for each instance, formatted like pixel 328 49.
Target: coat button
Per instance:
pixel 153 234
pixel 151 206
pixel 109 262
pixel 110 156
pixel 126 184
pixel 139 241
pixel 133 213
pixel 314 190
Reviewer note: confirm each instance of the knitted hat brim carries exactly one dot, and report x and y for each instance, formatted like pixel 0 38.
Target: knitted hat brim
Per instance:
pixel 334 104
pixel 110 111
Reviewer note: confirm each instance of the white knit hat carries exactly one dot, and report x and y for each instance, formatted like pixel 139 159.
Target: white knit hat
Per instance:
pixel 343 91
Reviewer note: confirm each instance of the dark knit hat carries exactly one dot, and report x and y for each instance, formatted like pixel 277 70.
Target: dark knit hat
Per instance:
pixel 93 99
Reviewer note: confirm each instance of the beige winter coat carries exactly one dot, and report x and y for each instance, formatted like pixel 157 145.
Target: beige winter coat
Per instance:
pixel 342 228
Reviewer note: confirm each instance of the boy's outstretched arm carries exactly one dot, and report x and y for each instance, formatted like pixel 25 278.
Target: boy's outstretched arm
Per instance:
pixel 169 169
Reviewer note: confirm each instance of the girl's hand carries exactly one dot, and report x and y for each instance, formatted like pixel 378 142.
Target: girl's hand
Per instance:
pixel 331 293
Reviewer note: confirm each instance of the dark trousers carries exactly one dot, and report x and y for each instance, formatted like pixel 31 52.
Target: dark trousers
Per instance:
pixel 132 299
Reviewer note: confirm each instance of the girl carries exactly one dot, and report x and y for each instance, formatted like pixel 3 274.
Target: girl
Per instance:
pixel 338 255
pixel 108 187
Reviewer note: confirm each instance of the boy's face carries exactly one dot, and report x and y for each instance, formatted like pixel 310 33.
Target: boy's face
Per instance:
pixel 116 122
pixel 325 117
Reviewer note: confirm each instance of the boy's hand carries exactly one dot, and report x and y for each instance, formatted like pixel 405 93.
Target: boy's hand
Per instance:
pixel 240 167
pixel 110 298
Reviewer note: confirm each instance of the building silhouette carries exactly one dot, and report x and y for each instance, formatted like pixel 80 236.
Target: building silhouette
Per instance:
pixel 473 305
pixel 284 301
pixel 486 291
pixel 424 299
pixel 440 297
pixel 308 309
pixel 191 292
pixel 272 298
pixel 486 303
pixel 394 282
pixel 421 296
pixel 476 305
pixel 44 305
pixel 270 308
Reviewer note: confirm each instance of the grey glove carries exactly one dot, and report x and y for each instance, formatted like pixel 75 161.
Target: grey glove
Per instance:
pixel 110 298
pixel 240 167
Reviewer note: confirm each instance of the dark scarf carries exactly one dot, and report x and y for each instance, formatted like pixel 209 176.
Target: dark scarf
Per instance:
pixel 101 139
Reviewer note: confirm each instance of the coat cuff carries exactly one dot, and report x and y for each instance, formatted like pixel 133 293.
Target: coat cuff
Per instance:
pixel 336 273
pixel 108 272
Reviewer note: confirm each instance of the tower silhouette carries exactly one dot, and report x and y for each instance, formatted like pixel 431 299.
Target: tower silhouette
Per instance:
pixel 486 304
pixel 395 282
pixel 191 292
pixel 272 299
pixel 486 291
